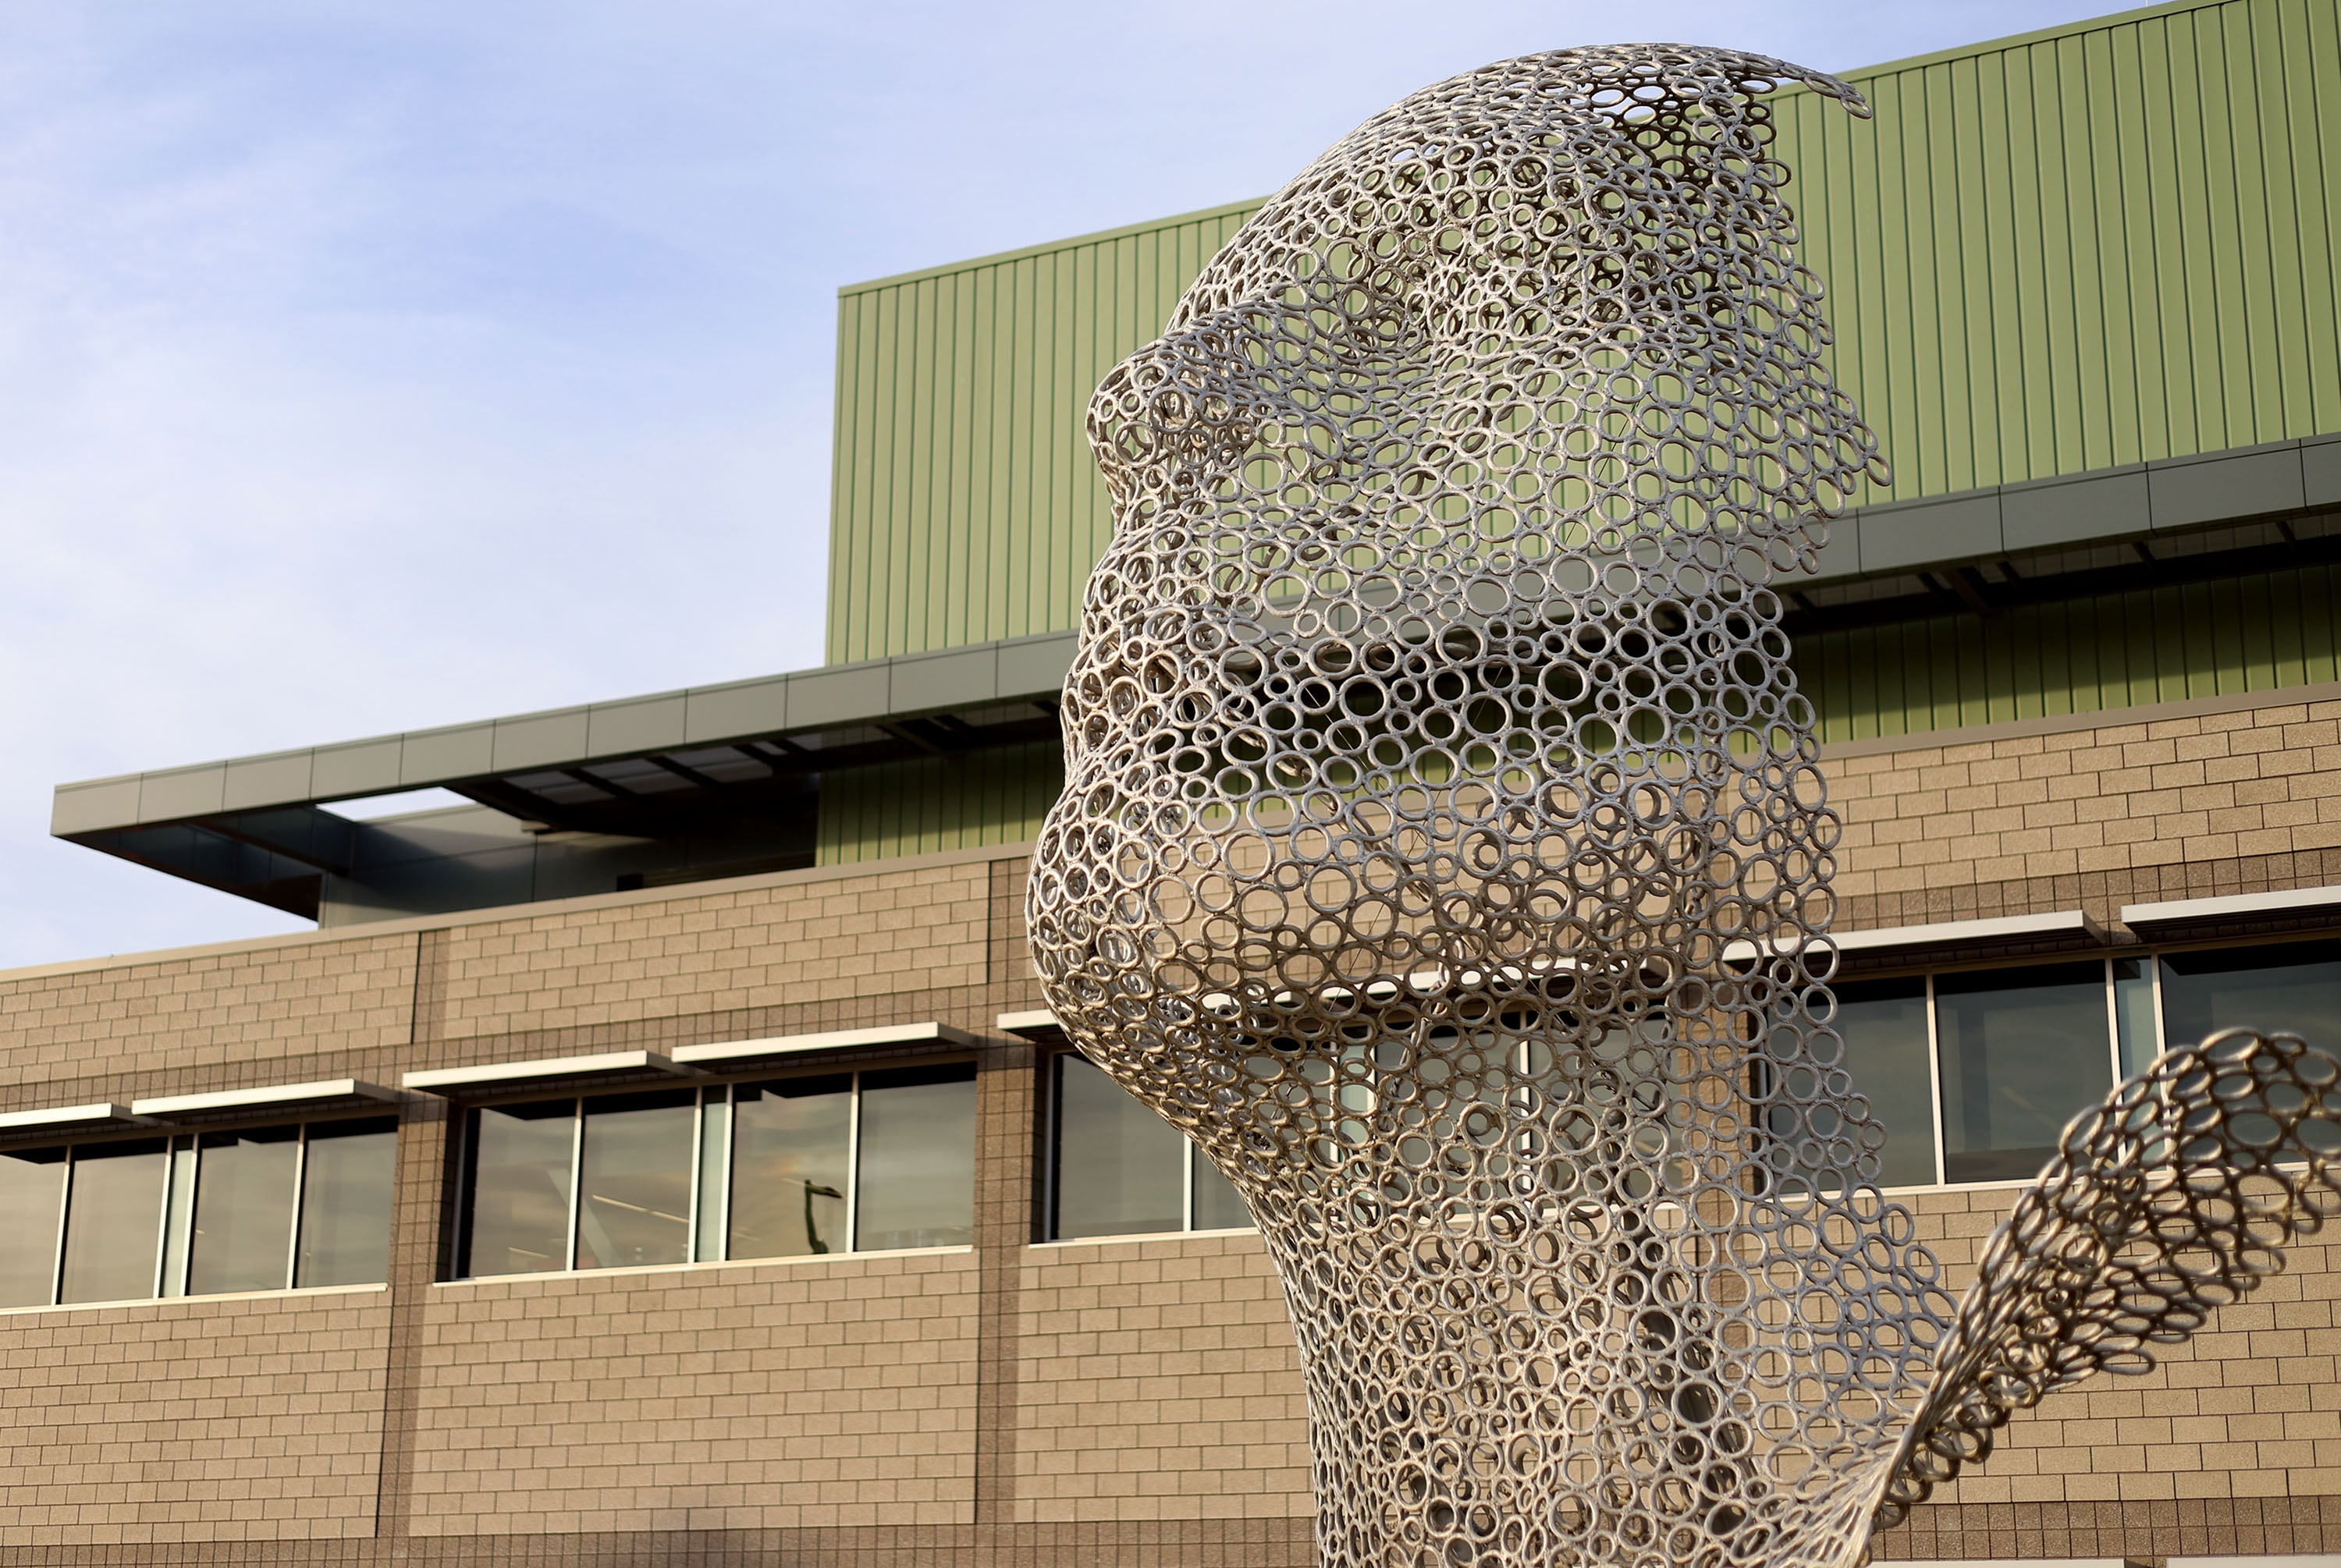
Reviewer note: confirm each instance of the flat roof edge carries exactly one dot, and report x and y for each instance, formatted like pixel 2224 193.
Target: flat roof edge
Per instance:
pixel 2027 39
pixel 1886 539
pixel 1047 247
pixel 823 697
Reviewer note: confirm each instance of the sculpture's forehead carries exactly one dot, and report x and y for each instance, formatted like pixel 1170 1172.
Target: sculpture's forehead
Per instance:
pixel 1548 308
pixel 1565 119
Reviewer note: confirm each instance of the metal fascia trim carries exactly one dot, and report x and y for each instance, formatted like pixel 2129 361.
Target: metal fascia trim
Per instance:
pixel 2230 905
pixel 323 1091
pixel 491 1075
pixel 926 1032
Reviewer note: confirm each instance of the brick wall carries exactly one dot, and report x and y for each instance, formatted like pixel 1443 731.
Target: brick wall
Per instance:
pixel 808 1394
pixel 2094 811
pixel 2248 1408
pixel 256 1418
pixel 213 1014
pixel 1158 1380
pixel 806 942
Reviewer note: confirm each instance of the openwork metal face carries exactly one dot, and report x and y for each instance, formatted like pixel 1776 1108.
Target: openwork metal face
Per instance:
pixel 1443 850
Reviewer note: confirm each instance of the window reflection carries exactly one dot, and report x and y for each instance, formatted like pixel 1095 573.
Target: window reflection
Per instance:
pixel 2289 988
pixel 916 1174
pixel 115 1221
pixel 790 1165
pixel 520 1164
pixel 1884 1026
pixel 244 1210
pixel 347 1180
pixel 795 1166
pixel 32 1201
pixel 635 1180
pixel 1119 1169
pixel 2023 1051
pixel 1216 1204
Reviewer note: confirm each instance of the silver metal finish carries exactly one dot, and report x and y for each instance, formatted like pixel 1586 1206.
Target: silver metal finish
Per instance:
pixel 1432 746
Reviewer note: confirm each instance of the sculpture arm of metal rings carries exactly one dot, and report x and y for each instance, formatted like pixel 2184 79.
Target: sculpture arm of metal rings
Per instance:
pixel 2174 1197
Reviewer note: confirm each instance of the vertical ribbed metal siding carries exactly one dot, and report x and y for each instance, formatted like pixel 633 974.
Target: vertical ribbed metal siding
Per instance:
pixel 2109 242
pixel 939 803
pixel 965 504
pixel 2099 246
pixel 2260 633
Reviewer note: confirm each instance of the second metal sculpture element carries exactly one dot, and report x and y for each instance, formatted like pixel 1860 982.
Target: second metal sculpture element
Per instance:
pixel 1443 849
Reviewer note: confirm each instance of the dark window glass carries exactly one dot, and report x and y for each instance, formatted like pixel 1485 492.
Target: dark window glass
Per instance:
pixel 520 1187
pixel 345 1186
pixel 635 1180
pixel 1884 1026
pixel 917 1171
pixel 2023 1052
pixel 31 1192
pixel 1217 1207
pixel 2287 988
pixel 244 1211
pixel 113 1221
pixel 789 1166
pixel 1119 1167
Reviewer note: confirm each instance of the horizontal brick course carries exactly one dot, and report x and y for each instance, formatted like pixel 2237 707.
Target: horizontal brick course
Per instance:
pixel 2115 797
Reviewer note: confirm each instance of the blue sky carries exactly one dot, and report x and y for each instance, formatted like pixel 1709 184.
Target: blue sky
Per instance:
pixel 371 366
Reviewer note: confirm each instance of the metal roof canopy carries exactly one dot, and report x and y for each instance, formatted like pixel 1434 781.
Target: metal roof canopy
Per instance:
pixel 657 767
pixel 644 766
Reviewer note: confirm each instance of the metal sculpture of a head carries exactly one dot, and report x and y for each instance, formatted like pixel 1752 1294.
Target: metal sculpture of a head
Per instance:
pixel 1443 846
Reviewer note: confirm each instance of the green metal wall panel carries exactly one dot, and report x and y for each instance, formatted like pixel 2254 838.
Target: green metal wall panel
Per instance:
pixel 965 506
pixel 2095 246
pixel 942 803
pixel 2218 639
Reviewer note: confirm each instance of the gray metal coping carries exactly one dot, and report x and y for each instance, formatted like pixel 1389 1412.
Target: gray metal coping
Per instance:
pixel 837 695
pixel 2100 505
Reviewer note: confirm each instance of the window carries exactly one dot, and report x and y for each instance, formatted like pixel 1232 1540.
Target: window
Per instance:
pixel 244 1210
pixel 789 1167
pixel 32 1210
pixel 347 1171
pixel 1121 1170
pixel 633 1174
pixel 113 1221
pixel 792 1165
pixel 2288 987
pixel 1887 1054
pixel 201 1213
pixel 522 1160
pixel 2019 1052
pixel 1973 1074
